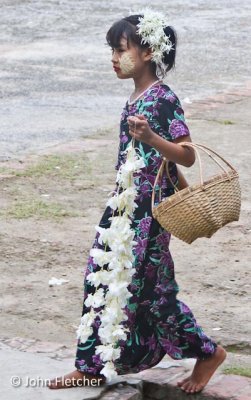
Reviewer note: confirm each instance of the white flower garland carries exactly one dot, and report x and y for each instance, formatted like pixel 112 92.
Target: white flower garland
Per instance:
pixel 118 276
pixel 151 29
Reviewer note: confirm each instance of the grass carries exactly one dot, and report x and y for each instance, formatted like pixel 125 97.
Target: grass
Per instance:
pixel 50 171
pixel 226 122
pixel 4 170
pixel 101 132
pixel 242 371
pixel 38 208
pixel 241 347
pixel 66 167
pixel 53 173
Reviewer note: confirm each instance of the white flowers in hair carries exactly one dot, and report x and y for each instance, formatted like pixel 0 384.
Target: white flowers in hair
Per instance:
pixel 119 272
pixel 151 29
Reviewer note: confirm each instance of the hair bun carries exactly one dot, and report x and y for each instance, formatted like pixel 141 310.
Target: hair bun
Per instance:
pixel 169 58
pixel 169 31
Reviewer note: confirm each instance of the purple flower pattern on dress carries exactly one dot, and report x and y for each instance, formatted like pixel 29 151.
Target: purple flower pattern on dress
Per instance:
pixel 144 225
pixel 172 348
pixel 178 128
pixel 151 342
pixel 163 239
pixel 140 248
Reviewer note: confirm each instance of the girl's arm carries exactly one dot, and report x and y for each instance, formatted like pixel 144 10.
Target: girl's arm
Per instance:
pixel 178 154
pixel 182 182
pixel 140 130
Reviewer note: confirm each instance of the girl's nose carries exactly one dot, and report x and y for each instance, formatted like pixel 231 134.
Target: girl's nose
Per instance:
pixel 114 57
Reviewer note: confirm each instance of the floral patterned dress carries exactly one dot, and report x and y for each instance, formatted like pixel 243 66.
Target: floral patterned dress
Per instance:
pixel 159 323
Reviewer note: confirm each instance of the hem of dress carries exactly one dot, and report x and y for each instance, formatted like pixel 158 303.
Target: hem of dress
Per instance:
pixel 208 355
pixel 89 371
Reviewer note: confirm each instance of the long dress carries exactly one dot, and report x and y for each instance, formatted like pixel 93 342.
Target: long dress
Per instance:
pixel 159 323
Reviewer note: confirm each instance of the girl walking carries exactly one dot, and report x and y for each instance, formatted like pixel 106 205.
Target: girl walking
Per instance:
pixel 143 49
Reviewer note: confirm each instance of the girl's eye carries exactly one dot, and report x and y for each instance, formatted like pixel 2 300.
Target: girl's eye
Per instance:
pixel 117 50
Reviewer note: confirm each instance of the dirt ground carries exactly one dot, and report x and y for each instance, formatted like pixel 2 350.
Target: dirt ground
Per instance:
pixel 52 200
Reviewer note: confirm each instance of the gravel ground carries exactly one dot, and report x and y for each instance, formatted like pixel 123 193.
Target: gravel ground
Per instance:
pixel 56 78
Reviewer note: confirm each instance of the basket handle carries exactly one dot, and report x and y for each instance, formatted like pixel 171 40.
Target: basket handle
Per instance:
pixel 195 146
pixel 165 163
pixel 200 166
pixel 205 148
pixel 161 169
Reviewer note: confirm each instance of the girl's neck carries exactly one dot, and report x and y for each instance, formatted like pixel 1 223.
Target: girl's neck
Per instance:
pixel 141 86
pixel 141 83
pixel 133 99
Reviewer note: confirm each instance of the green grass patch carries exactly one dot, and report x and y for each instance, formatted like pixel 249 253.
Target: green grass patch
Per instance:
pixel 241 347
pixel 242 371
pixel 38 208
pixel 226 122
pixel 4 170
pixel 232 348
pixel 66 167
pixel 101 132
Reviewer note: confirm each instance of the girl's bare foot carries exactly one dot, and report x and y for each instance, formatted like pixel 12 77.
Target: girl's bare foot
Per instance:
pixel 202 372
pixel 76 378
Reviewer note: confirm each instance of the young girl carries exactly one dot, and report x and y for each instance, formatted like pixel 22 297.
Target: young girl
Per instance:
pixel 143 49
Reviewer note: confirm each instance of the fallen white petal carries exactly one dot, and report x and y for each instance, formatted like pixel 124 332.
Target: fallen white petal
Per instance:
pixel 54 281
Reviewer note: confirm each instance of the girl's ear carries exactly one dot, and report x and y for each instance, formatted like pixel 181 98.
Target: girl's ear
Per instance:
pixel 147 54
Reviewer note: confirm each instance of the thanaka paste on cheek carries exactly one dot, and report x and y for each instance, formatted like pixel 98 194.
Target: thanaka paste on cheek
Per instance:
pixel 127 63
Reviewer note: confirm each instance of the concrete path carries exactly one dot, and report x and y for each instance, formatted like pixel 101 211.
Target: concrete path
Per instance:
pixel 28 364
pixel 24 375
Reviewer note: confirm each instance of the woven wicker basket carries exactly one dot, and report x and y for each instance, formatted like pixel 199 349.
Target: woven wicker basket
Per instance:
pixel 201 209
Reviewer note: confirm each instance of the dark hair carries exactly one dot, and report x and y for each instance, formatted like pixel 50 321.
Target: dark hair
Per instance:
pixel 127 28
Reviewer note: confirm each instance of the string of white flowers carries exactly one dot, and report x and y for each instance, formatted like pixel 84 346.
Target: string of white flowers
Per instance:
pixel 118 275
pixel 151 29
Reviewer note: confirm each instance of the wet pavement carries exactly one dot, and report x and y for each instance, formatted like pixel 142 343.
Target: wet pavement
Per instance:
pixel 56 78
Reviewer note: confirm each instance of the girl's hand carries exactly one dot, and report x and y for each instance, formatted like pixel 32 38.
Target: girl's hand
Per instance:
pixel 140 129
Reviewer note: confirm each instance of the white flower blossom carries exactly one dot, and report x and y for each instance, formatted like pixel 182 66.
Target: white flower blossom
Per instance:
pixel 119 231
pixel 105 277
pixel 95 300
pixel 124 201
pixel 122 299
pixel 112 313
pixel 100 256
pixel 120 290
pixel 119 236
pixel 96 278
pixel 151 29
pixel 113 333
pixel 133 164
pixel 119 332
pixel 124 262
pixel 107 352
pixel 88 318
pixel 84 332
pixel 124 275
pixel 85 329
pixel 113 202
pixel 109 371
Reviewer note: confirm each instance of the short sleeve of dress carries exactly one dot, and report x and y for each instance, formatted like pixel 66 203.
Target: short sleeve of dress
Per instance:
pixel 171 118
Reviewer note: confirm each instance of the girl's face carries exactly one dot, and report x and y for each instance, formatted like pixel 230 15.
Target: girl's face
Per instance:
pixel 129 62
